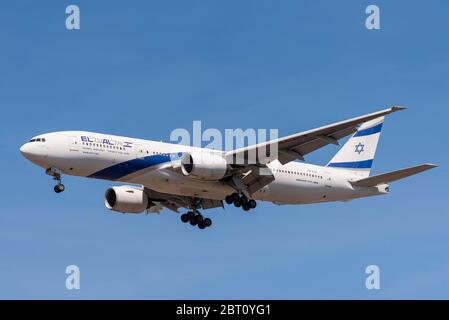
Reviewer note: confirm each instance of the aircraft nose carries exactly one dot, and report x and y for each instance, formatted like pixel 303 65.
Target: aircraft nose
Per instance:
pixel 35 153
pixel 29 152
pixel 25 150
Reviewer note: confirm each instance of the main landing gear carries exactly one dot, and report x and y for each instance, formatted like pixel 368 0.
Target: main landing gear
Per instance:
pixel 241 201
pixel 196 219
pixel 56 174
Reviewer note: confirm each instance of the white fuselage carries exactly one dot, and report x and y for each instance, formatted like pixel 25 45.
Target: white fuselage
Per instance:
pixel 147 163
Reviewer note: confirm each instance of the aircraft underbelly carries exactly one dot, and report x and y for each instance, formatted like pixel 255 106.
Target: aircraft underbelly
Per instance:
pixel 293 192
pixel 282 190
pixel 168 181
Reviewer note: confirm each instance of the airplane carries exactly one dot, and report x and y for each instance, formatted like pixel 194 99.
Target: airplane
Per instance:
pixel 161 175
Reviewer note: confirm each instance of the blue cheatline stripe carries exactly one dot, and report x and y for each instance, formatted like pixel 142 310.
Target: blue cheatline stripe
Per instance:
pixel 368 131
pixel 366 164
pixel 125 168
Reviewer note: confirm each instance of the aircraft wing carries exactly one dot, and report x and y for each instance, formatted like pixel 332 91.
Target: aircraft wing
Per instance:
pixel 161 200
pixel 296 146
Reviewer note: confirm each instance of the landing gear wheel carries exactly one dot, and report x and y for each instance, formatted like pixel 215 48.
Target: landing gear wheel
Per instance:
pixel 193 221
pixel 207 222
pixel 196 219
pixel 245 206
pixel 244 199
pixel 252 203
pixel 185 217
pixel 237 203
pixel 229 199
pixel 56 174
pixel 59 188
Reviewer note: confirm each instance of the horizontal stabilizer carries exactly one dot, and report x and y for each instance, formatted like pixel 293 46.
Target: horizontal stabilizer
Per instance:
pixel 392 176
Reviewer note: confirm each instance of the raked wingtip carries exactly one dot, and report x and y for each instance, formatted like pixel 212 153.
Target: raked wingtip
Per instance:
pixel 397 108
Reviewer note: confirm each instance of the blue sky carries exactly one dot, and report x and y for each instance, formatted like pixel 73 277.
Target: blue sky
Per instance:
pixel 144 68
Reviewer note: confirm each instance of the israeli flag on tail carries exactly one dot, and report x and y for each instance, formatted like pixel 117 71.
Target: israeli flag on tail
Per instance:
pixel 357 154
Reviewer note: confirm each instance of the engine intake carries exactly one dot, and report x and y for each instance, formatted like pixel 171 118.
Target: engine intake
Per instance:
pixel 126 199
pixel 204 166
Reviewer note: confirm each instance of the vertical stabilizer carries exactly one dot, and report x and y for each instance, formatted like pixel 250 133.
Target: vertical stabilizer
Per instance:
pixel 358 153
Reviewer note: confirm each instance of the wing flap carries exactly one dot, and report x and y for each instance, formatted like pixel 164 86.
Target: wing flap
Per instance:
pixel 174 202
pixel 257 179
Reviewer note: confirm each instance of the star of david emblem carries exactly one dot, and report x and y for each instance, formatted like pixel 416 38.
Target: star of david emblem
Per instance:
pixel 359 148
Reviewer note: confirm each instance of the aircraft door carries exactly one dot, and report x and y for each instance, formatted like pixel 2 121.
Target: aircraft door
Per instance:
pixel 139 151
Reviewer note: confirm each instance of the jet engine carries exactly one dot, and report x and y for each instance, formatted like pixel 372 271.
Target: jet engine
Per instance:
pixel 126 199
pixel 204 166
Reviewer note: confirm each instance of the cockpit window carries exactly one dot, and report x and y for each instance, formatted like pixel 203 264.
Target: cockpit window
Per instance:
pixel 37 140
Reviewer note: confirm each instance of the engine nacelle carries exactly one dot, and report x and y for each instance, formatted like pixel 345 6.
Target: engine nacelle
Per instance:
pixel 126 199
pixel 204 166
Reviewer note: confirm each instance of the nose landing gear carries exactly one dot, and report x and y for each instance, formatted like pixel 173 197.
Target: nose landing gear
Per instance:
pixel 56 174
pixel 59 188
